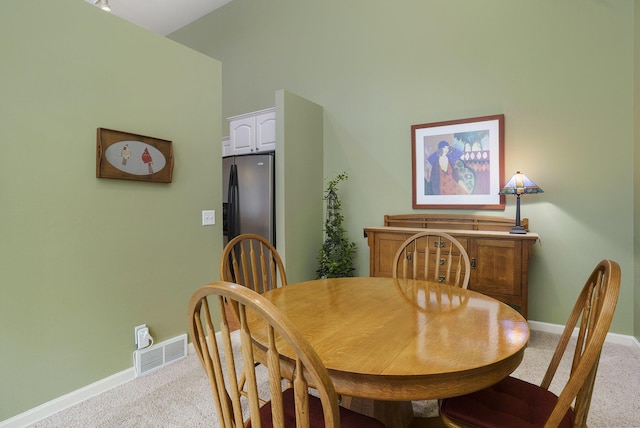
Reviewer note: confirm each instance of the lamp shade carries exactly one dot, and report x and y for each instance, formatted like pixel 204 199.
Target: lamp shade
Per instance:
pixel 519 184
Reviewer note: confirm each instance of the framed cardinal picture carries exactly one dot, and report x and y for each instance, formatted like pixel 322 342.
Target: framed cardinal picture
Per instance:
pixel 458 164
pixel 127 156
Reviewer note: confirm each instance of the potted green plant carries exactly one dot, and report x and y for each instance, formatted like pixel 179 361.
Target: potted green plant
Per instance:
pixel 337 252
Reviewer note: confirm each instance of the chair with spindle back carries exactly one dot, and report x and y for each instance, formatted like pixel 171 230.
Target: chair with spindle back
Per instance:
pixel 434 256
pixel 252 261
pixel 515 403
pixel 292 407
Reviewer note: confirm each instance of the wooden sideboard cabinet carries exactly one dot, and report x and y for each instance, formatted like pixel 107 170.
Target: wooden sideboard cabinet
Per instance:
pixel 499 259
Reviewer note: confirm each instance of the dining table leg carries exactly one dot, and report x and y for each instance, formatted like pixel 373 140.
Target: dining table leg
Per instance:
pixel 394 414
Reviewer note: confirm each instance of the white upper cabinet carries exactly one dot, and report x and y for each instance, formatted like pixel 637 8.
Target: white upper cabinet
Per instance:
pixel 266 130
pixel 251 133
pixel 226 146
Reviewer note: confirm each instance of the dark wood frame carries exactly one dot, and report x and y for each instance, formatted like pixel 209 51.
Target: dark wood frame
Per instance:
pixel 106 169
pixel 490 199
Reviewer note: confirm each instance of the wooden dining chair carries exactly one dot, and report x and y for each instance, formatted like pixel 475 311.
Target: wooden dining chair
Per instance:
pixel 515 403
pixel 252 261
pixel 292 407
pixel 435 256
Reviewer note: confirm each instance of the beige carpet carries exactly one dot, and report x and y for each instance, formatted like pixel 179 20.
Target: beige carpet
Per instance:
pixel 179 395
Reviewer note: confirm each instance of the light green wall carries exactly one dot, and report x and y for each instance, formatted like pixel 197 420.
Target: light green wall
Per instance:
pixel 84 260
pixel 561 72
pixel 636 160
pixel 299 184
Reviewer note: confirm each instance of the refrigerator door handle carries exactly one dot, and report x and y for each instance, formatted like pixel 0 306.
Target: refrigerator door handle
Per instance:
pixel 233 200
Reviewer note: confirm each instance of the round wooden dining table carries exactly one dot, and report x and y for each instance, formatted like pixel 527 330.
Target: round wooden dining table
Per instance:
pixel 398 340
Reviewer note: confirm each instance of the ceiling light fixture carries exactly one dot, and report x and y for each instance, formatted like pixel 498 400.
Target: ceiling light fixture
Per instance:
pixel 103 4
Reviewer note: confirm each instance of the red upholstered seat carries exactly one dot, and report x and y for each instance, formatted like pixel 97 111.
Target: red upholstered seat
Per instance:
pixel 511 403
pixel 348 417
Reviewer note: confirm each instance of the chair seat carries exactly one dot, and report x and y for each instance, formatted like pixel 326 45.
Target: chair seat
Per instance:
pixel 511 403
pixel 348 418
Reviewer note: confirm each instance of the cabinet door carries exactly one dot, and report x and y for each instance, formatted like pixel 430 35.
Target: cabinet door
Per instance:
pixel 496 266
pixel 242 134
pixel 383 251
pixel 266 131
pixel 226 146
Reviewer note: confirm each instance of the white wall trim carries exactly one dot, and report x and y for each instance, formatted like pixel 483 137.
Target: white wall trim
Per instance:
pixel 49 408
pixel 75 397
pixel 621 339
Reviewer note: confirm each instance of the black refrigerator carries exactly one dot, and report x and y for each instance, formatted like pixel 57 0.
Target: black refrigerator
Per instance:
pixel 248 195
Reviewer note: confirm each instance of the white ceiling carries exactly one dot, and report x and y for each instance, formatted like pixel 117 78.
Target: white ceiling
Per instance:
pixel 162 16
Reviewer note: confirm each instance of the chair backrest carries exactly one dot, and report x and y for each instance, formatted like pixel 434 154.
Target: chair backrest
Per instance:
pixel 434 256
pixel 593 311
pixel 252 261
pixel 216 355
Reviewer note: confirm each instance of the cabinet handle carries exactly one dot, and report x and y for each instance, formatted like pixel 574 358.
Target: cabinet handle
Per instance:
pixel 442 262
pixel 409 256
pixel 473 263
pixel 440 244
pixel 441 278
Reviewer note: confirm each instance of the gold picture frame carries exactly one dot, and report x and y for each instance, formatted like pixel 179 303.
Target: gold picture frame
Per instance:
pixel 126 156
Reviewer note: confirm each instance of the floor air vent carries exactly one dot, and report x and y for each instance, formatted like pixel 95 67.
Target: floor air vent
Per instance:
pixel 158 355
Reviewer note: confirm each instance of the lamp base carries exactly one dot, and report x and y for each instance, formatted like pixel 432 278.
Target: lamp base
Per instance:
pixel 518 230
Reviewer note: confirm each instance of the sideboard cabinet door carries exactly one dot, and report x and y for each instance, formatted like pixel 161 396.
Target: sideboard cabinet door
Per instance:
pixel 497 269
pixel 384 250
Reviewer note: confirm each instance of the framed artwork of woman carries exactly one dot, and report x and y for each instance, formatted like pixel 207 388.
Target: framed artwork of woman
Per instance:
pixel 458 163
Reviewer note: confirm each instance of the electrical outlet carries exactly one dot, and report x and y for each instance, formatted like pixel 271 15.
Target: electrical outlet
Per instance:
pixel 140 333
pixel 143 338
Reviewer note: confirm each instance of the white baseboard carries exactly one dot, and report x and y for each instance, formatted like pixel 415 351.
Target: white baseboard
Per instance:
pixel 620 339
pixel 75 397
pixel 47 409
